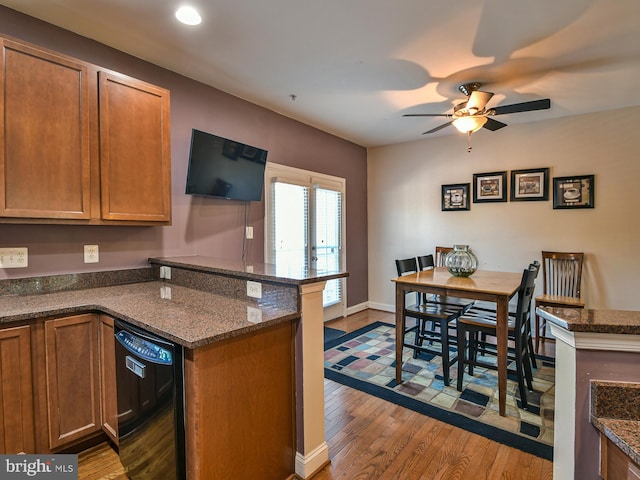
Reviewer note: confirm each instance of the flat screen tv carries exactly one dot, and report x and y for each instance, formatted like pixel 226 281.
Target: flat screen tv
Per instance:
pixel 219 167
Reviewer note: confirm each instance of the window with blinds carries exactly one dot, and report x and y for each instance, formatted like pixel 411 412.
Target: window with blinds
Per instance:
pixel 305 227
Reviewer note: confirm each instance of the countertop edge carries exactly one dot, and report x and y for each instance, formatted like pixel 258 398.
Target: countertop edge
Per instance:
pixel 234 271
pixel 96 306
pixel 612 432
pixel 592 321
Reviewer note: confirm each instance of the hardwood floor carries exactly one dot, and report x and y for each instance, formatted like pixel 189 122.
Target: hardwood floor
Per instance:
pixel 100 463
pixel 371 439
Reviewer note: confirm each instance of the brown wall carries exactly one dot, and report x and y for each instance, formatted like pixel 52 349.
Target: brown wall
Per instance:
pixel 202 226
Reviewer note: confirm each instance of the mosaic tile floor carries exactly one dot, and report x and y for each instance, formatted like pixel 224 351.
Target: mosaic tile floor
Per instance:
pixel 366 360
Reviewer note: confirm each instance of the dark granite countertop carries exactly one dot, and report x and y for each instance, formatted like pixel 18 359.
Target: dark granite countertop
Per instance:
pixel 594 321
pixel 249 271
pixel 615 411
pixel 189 317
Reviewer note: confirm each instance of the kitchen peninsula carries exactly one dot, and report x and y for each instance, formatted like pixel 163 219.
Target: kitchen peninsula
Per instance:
pixel 594 349
pixel 254 387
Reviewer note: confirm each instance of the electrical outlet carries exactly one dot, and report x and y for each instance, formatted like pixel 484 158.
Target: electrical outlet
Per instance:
pixel 14 257
pixel 249 233
pixel 91 254
pixel 165 272
pixel 254 315
pixel 254 289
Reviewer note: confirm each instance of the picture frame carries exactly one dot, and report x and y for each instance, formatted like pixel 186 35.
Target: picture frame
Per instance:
pixel 490 187
pixel 455 197
pixel 577 191
pixel 530 185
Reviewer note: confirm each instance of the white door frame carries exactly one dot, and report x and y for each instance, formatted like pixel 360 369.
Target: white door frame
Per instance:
pixel 311 179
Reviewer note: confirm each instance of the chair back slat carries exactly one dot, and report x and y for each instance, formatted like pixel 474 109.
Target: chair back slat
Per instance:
pixel 425 262
pixel 525 293
pixel 406 266
pixel 562 273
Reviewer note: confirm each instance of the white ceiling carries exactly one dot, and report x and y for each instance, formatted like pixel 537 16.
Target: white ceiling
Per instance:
pixel 355 66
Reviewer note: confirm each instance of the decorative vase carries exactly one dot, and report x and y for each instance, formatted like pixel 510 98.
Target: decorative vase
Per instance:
pixel 461 262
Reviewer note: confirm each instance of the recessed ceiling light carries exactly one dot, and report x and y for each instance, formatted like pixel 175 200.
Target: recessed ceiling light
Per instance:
pixel 188 15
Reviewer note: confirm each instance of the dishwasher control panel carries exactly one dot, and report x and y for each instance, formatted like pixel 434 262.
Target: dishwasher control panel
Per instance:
pixel 144 349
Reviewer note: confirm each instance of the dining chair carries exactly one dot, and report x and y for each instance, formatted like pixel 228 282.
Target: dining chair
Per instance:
pixel 562 278
pixel 441 255
pixel 479 321
pixel 433 321
pixel 482 306
pixel 426 262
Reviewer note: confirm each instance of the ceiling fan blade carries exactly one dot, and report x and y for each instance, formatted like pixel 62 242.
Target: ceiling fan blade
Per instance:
pixel 437 128
pixel 523 107
pixel 427 115
pixel 493 125
pixel 478 100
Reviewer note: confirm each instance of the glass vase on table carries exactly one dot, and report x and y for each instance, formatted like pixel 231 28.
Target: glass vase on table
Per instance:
pixel 461 262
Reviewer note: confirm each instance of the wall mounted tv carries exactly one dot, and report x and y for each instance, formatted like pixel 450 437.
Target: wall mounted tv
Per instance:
pixel 219 167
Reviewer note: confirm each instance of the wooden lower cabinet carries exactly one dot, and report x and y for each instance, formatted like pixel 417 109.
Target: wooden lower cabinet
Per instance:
pixel 17 434
pixel 615 464
pixel 240 408
pixel 108 396
pixel 72 378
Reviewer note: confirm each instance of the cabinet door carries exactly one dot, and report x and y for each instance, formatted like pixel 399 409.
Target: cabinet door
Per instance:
pixel 109 399
pixel 614 463
pixel 135 157
pixel 44 135
pixel 17 434
pixel 73 386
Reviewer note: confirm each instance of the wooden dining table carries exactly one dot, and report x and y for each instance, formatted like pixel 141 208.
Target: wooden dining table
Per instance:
pixel 498 287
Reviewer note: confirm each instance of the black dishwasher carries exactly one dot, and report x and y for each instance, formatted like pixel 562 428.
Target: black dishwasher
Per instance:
pixel 149 378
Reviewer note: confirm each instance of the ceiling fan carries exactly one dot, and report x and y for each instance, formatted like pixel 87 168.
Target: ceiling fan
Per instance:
pixel 472 115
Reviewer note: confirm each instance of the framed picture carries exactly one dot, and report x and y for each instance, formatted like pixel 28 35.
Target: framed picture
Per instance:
pixel 530 185
pixel 573 192
pixel 455 197
pixel 490 187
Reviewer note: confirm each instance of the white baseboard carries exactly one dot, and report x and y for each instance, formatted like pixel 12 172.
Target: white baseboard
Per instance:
pixel 307 465
pixel 374 306
pixel 357 308
pixel 382 306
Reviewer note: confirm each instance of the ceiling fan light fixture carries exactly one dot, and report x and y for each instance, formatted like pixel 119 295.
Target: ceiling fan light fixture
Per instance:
pixel 469 124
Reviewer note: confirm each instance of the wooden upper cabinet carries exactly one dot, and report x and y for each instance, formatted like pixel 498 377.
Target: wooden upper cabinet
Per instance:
pixel 44 131
pixel 135 156
pixel 80 144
